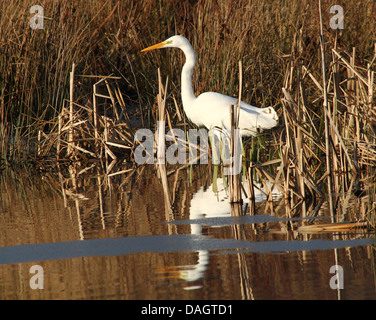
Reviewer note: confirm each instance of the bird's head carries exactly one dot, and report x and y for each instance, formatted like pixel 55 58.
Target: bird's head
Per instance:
pixel 173 42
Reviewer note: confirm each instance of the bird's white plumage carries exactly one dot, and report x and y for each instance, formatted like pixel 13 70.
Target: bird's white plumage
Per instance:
pixel 212 109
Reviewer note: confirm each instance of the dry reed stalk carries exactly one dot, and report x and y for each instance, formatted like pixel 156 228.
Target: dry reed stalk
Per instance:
pixel 120 172
pixel 113 102
pixel 100 197
pixel 300 161
pixel 122 105
pixel 39 142
pixel 326 113
pixel 71 110
pixel 235 189
pixel 95 115
pixel 251 196
pixel 178 113
pixel 234 178
pixel 160 133
pixel 58 146
pixel 371 77
pixel 160 141
pixel 73 146
pixel 334 227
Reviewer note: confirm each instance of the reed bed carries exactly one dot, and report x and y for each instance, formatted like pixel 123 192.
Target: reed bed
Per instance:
pixel 100 130
pixel 329 123
pixel 78 89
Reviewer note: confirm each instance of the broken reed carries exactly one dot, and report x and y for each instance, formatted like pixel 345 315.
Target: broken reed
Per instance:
pixel 99 130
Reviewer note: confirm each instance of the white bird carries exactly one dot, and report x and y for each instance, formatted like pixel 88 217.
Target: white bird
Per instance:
pixel 212 109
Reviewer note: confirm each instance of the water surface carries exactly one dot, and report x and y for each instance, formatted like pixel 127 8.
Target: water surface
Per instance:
pixel 137 236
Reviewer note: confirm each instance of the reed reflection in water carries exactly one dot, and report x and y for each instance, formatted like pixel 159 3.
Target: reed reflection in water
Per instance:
pixel 74 206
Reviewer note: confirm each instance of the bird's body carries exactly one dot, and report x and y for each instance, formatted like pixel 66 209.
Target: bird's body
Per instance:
pixel 212 109
pixel 217 108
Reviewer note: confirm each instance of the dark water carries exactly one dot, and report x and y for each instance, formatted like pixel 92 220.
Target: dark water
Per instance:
pixel 131 236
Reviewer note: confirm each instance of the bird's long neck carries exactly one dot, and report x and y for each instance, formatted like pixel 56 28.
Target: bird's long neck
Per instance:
pixel 187 93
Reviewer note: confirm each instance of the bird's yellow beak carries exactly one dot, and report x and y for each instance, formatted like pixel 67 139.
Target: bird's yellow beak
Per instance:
pixel 156 46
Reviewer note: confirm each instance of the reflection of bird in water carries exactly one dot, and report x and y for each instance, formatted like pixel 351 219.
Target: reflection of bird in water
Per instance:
pixel 214 200
pixel 211 109
pixel 190 272
pixel 207 203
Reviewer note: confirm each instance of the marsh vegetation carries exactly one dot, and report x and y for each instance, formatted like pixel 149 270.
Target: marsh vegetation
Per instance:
pixel 76 91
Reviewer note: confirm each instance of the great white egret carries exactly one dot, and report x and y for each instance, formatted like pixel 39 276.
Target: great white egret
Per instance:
pixel 211 109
